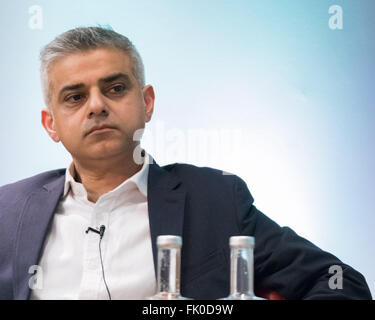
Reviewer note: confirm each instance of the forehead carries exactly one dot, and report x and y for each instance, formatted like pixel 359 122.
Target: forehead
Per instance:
pixel 87 67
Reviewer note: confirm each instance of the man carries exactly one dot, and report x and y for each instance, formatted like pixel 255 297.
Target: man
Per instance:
pixel 97 105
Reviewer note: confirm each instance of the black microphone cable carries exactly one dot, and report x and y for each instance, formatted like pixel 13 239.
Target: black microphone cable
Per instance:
pixel 101 234
pixel 102 229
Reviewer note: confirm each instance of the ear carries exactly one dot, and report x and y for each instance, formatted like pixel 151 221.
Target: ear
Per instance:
pixel 149 99
pixel 49 124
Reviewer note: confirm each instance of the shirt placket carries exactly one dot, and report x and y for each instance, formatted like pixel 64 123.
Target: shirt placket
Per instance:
pixel 103 211
pixel 92 273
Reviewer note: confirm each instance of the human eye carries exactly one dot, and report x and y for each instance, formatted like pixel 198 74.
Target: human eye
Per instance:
pixel 74 98
pixel 117 89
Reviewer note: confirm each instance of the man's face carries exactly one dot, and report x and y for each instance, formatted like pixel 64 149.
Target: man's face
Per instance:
pixel 96 90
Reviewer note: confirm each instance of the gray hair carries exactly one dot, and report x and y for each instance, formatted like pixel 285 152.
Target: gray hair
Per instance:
pixel 84 39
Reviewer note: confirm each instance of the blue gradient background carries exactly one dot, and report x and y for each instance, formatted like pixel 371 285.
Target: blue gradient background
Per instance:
pixel 300 94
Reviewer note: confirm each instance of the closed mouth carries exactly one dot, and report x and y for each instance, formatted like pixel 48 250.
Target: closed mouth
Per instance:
pixel 99 129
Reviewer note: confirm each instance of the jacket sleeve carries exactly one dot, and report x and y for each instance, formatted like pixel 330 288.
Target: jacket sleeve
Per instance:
pixel 9 207
pixel 289 264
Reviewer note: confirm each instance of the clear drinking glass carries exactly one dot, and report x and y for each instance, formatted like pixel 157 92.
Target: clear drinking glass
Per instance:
pixel 242 269
pixel 169 265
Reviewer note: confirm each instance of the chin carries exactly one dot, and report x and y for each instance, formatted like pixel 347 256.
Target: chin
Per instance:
pixel 108 151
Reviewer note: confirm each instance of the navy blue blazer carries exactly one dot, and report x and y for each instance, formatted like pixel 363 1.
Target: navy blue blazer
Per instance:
pixel 203 206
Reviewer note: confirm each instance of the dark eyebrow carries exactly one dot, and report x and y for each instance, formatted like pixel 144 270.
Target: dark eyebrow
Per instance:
pixel 115 77
pixel 71 87
pixel 109 79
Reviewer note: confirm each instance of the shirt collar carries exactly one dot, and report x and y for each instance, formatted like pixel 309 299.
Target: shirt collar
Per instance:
pixel 139 178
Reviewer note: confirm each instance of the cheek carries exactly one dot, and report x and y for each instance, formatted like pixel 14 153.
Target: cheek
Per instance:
pixel 69 131
pixel 132 117
pixel 138 120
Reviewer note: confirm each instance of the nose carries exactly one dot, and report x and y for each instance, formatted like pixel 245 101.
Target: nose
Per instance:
pixel 97 105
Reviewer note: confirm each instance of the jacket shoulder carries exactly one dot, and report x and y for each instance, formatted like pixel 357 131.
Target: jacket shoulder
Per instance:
pixel 24 187
pixel 204 177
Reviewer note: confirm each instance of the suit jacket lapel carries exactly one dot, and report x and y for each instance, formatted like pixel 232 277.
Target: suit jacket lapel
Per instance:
pixel 166 203
pixel 31 233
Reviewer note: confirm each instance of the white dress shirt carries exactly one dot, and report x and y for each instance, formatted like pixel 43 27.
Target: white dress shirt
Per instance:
pixel 70 262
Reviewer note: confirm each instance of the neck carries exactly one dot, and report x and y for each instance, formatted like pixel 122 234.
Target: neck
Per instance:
pixel 101 176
